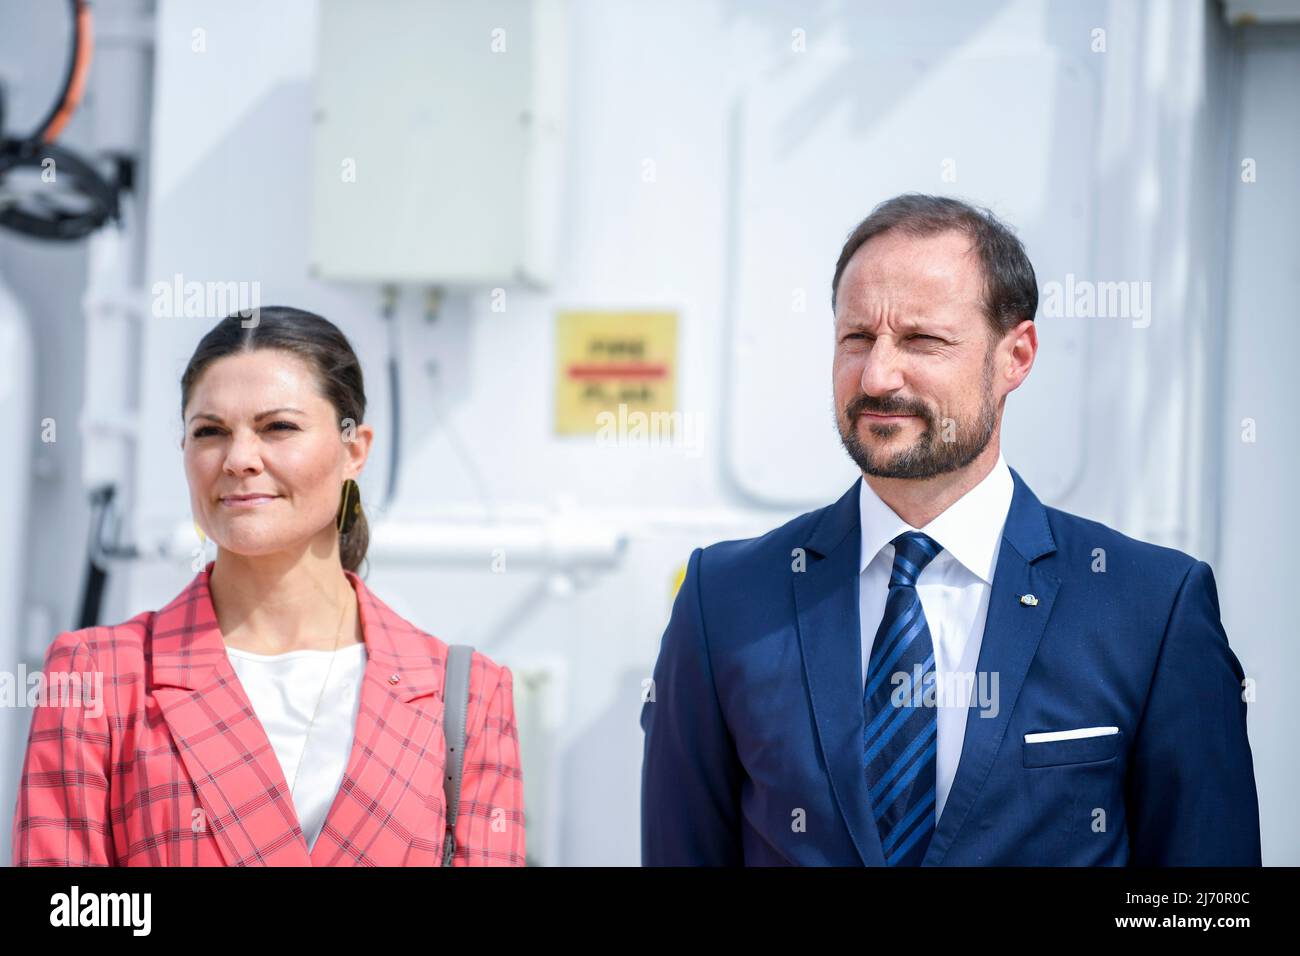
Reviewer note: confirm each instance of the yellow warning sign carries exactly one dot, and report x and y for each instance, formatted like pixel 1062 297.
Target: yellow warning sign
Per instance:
pixel 612 365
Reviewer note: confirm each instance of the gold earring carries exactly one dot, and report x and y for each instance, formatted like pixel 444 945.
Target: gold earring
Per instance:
pixel 203 538
pixel 347 517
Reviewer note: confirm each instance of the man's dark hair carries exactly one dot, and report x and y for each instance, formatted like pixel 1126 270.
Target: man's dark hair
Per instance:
pixel 1010 288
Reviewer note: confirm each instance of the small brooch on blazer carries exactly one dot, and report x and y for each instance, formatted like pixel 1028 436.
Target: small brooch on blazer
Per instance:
pixel 1028 600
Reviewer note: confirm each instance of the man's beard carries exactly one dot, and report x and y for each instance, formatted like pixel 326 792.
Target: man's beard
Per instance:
pixel 929 455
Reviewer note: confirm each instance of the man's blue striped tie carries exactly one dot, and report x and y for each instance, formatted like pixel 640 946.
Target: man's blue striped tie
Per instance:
pixel 900 737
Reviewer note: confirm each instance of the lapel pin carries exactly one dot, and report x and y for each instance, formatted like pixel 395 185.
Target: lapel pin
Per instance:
pixel 1028 600
pixel 393 679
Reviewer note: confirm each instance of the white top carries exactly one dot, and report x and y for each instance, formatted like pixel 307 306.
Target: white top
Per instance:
pixel 954 590
pixel 283 689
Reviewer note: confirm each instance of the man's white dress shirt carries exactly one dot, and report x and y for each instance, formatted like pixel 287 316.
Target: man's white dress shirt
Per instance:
pixel 954 590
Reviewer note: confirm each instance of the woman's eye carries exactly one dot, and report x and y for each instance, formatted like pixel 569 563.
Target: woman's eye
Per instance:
pixel 209 429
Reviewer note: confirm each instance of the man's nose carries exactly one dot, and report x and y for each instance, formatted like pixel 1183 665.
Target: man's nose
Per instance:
pixel 882 369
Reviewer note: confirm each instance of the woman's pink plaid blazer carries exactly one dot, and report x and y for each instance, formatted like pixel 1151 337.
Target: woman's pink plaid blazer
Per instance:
pixel 173 768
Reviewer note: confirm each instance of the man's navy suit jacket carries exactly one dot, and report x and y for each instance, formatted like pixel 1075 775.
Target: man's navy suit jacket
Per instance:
pixel 753 730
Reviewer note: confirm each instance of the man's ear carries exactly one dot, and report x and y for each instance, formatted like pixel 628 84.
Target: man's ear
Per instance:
pixel 1025 338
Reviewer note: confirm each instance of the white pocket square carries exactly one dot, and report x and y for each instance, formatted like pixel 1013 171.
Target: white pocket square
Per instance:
pixel 1069 734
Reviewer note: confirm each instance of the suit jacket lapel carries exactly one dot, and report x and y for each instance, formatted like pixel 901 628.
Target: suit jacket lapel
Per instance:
pixel 830 636
pixel 1012 632
pixel 826 601
pixel 219 738
pixel 216 730
pixel 397 758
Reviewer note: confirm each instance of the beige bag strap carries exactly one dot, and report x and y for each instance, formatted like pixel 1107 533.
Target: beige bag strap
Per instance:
pixel 455 704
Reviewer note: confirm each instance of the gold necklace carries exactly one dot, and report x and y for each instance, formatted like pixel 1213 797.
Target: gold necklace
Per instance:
pixel 319 697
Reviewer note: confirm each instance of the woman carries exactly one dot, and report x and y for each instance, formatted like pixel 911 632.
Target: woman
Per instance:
pixel 276 712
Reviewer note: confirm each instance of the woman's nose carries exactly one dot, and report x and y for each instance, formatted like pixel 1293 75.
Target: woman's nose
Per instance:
pixel 244 454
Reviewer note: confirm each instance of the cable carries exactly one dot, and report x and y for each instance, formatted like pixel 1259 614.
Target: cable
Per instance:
pixel 83 199
pixel 389 312
pixel 40 216
pixel 74 82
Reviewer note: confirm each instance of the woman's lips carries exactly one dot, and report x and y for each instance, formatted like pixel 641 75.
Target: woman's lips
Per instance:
pixel 253 502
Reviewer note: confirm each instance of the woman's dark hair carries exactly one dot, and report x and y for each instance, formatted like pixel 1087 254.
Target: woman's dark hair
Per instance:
pixel 326 351
pixel 1010 286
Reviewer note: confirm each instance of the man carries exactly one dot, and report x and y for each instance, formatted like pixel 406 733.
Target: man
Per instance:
pixel 937 669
